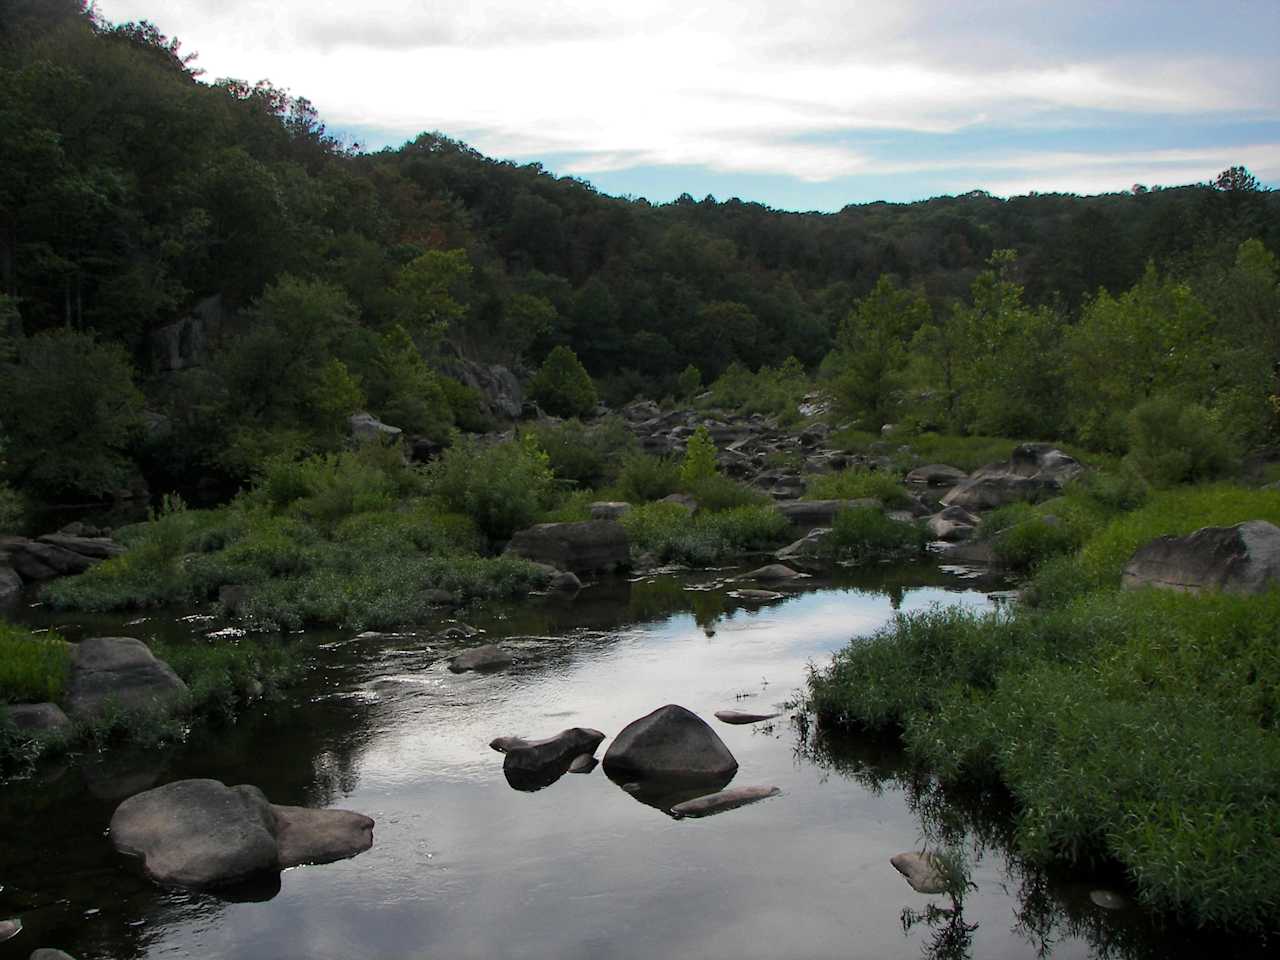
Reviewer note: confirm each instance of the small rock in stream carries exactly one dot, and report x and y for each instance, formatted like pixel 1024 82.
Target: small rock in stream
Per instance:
pixel 921 870
pixel 1108 900
pixel 738 716
pixel 772 573
pixel 756 596
pixel 9 929
pixel 724 800
pixel 489 657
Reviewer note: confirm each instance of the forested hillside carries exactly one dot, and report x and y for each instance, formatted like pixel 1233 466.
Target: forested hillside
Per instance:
pixel 134 190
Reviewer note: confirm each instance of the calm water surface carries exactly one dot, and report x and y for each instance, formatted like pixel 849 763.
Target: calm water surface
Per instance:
pixel 464 866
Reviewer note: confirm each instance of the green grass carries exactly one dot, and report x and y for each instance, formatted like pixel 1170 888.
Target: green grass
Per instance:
pixel 1140 728
pixel 855 484
pixel 33 667
pixel 671 534
pixel 223 675
pixel 866 534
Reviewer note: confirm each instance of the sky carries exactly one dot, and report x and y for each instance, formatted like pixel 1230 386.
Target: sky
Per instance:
pixel 801 105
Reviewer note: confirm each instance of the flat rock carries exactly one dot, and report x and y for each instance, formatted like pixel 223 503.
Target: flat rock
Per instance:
pixel 936 475
pixel 99 548
pixel 43 561
pixel 38 719
pixel 609 509
pixel 921 871
pixel 304 835
pixel 741 717
pixel 1034 471
pixel 1241 559
pixel 811 548
pixel 772 573
pixel 198 833
pixel 669 743
pixel 123 673
pixel 584 546
pixel 723 800
pixel 489 657
pixel 756 596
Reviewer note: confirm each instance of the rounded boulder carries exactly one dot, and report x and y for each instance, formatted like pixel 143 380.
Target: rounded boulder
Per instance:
pixel 669 743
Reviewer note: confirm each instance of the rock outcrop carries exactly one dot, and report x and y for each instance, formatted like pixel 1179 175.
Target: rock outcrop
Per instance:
pixel 120 673
pixel 671 743
pixel 1244 559
pixel 581 547
pixel 202 834
pixel 1034 471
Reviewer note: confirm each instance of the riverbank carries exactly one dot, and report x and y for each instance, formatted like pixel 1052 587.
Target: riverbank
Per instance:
pixel 1136 727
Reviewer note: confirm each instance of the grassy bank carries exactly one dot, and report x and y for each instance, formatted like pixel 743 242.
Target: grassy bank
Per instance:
pixel 1135 727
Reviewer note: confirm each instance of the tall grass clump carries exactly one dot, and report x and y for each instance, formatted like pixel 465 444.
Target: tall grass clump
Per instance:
pixel 644 478
pixel 856 484
pixel 502 488
pixel 865 533
pixel 672 534
pixel 33 667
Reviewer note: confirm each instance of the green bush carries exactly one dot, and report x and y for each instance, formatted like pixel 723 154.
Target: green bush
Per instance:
pixel 503 488
pixel 33 668
pixel 865 533
pixel 689 382
pixel 671 534
pixel 644 478
pixel 718 492
pixel 699 461
pixel 1173 442
pixel 855 484
pixel 770 390
pixel 585 456
pixel 562 386
pixel 470 411
pixel 222 676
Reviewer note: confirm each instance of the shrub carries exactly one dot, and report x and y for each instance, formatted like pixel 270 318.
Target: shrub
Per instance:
pixel 562 385
pixel 644 478
pixel 718 492
pixel 699 461
pixel 585 456
pixel 503 488
pixel 689 382
pixel 771 390
pixel 470 411
pixel 33 668
pixel 865 533
pixel 668 531
pixel 1173 442
pixel 855 484
pixel 223 675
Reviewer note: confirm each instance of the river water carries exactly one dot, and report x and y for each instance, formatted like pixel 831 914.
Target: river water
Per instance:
pixel 465 866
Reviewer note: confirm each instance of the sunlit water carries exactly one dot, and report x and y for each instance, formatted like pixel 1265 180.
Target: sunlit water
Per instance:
pixel 464 866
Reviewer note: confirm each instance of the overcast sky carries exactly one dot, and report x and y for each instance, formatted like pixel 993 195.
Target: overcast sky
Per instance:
pixel 800 104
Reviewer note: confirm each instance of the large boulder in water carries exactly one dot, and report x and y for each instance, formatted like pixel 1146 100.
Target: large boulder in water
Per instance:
pixel 120 673
pixel 203 834
pixel 581 547
pixel 671 743
pixel 1034 471
pixel 534 764
pixel 1240 559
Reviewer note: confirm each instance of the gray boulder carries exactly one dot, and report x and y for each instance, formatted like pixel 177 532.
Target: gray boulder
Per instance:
pixel 670 743
pixel 566 582
pixel 48 953
pixel 1034 471
pixel 810 514
pixel 1244 559
pixel 365 427
pixel 811 548
pixel 489 657
pixel 97 548
pixel 34 560
pixel 949 531
pixel 584 546
pixel 722 800
pixel 496 384
pixel 609 509
pixel 203 834
pixel 120 672
pixel 921 870
pixel 772 573
pixel 38 719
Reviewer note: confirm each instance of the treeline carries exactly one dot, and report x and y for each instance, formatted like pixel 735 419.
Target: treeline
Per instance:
pixel 131 190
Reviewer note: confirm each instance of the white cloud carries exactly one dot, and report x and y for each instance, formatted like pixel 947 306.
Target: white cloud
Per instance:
pixel 749 86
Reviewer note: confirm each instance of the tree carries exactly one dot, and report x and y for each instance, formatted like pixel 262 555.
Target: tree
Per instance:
pixel 70 411
pixel 562 385
pixel 1237 179
pixel 433 290
pixel 871 348
pixel 699 463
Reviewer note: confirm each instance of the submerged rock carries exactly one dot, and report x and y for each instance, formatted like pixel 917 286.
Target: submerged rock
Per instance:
pixel 203 834
pixel 489 657
pixel 669 743
pixel 739 717
pixel 921 870
pixel 714 803
pixel 120 673
pixel 756 596
pixel 1243 559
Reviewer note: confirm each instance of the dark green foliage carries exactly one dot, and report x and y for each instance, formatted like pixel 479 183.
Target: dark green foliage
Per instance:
pixel 699 462
pixel 586 456
pixel 671 534
pixel 865 533
pixel 33 668
pixel 770 390
pixel 718 492
pixel 562 385
pixel 502 488
pixel 1174 442
pixel 70 413
pixel 871 350
pixel 224 675
pixel 644 477
pixel 470 412
pixel 857 483
pixel 689 382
